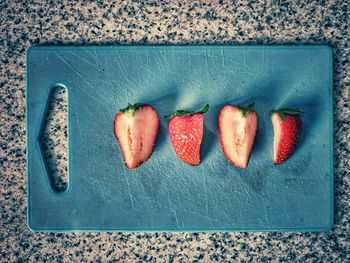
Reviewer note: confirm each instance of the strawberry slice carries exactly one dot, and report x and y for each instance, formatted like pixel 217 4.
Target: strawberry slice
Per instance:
pixel 237 129
pixel 286 128
pixel 136 128
pixel 186 134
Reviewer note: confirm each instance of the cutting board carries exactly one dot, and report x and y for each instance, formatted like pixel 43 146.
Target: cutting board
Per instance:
pixel 165 194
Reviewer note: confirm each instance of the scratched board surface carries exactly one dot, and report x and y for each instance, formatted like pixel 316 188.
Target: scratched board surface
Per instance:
pixel 165 193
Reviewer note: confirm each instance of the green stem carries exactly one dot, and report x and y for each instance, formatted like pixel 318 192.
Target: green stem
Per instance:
pixel 187 113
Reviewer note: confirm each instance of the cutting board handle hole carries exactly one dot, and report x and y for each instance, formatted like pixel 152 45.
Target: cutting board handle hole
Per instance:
pixel 54 138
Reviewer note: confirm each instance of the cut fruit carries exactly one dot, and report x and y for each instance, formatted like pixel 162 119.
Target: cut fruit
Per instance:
pixel 237 129
pixel 136 128
pixel 286 128
pixel 186 134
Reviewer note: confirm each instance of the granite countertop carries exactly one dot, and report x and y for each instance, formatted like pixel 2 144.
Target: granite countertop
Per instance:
pixel 185 22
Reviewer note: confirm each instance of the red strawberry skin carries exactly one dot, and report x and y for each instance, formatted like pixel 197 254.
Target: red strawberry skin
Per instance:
pixel 186 134
pixel 286 135
pixel 136 133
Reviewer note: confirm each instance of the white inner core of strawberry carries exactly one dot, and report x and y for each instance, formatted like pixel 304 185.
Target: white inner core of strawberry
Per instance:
pixel 237 135
pixel 137 135
pixel 276 121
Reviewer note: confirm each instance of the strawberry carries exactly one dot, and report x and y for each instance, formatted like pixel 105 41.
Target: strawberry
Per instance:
pixel 237 129
pixel 136 128
pixel 186 134
pixel 286 128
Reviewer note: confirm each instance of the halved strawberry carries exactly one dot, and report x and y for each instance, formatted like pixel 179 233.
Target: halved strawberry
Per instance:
pixel 237 129
pixel 136 128
pixel 186 134
pixel 286 129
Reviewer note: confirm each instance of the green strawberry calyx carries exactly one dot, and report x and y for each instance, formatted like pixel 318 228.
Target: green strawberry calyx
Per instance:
pixel 282 112
pixel 246 110
pixel 187 113
pixel 131 108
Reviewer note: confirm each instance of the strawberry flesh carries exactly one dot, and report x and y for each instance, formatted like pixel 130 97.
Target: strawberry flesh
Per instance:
pixel 286 135
pixel 136 130
pixel 237 129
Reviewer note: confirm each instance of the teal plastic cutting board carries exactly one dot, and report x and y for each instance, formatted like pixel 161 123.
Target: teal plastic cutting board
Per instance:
pixel 165 194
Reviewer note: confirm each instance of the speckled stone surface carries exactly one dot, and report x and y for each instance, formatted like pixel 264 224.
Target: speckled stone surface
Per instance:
pixel 54 139
pixel 276 22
